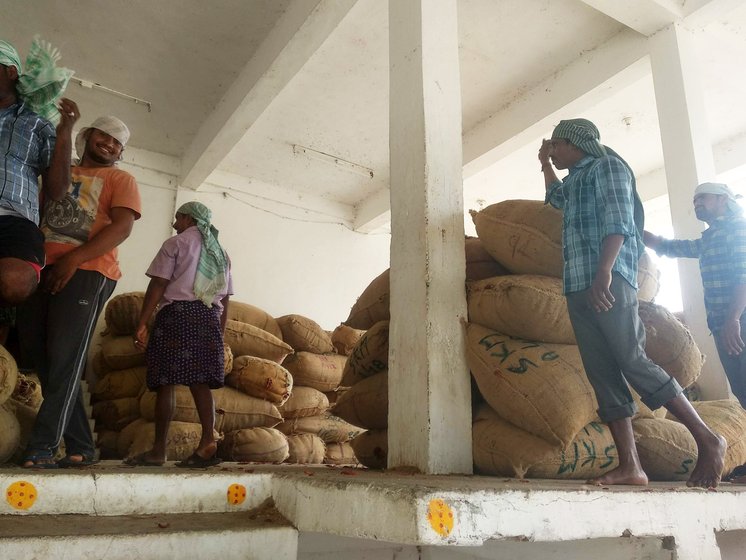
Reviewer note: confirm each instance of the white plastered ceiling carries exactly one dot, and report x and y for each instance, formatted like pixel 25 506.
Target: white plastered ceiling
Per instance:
pixel 244 94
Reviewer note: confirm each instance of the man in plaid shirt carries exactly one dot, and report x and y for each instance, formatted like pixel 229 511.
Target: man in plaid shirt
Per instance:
pixel 29 147
pixel 602 242
pixel 722 262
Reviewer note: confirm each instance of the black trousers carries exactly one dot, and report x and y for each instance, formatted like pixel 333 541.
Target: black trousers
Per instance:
pixel 54 334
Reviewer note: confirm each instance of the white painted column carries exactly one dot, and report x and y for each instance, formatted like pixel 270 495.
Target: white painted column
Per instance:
pixel 429 388
pixel 687 153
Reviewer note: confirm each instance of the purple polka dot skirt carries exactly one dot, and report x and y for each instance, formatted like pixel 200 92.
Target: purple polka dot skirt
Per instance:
pixel 185 346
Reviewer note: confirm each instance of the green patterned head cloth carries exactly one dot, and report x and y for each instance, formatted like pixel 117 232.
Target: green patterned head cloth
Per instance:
pixel 581 133
pixel 210 279
pixel 41 83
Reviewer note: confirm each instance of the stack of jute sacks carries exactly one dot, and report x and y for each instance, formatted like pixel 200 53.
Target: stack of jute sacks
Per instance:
pixel 365 403
pixel 20 399
pixel 248 419
pixel 314 434
pixel 539 415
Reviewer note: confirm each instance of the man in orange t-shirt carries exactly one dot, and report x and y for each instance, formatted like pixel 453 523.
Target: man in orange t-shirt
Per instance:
pixel 81 232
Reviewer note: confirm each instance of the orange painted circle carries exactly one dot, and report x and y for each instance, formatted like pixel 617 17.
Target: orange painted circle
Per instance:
pixel 440 516
pixel 236 494
pixel 21 495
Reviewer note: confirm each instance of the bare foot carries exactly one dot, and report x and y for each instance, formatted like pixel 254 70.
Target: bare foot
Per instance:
pixel 631 476
pixel 207 451
pixel 709 467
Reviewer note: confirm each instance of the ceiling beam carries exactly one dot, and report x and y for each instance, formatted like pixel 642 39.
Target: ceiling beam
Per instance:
pixel 701 12
pixel 283 202
pixel 298 34
pixel 374 212
pixel 644 16
pixel 592 77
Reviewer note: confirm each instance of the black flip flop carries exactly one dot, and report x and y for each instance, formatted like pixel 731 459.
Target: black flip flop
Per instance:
pixel 141 461
pixel 67 463
pixel 194 461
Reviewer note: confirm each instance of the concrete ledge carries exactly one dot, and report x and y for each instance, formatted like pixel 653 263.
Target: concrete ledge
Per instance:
pixel 228 536
pixel 419 510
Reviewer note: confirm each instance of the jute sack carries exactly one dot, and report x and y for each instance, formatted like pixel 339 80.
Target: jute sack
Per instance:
pixel 670 344
pixel 252 315
pixel 479 263
pixel 727 418
pixel 541 388
pixel 106 443
pixel 648 278
pixel 340 454
pixel 525 236
pixel 11 432
pixel 305 448
pixel 304 334
pixel 320 371
pixel 247 340
pixel 258 445
pixel 369 356
pixel 234 410
pixel 8 375
pixel 263 379
pixel 366 403
pixel 329 428
pixel 373 304
pixel 181 441
pixel 304 401
pixel 227 359
pixel 504 450
pixel 120 384
pixel 120 352
pixel 99 365
pixel 522 306
pixel 122 313
pixel 127 436
pixel 27 391
pixel 115 414
pixel 667 450
pixel 333 396
pixel 26 417
pixel 372 448
pixel 345 338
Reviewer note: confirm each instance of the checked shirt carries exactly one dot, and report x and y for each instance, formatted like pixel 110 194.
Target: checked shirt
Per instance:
pixel 597 200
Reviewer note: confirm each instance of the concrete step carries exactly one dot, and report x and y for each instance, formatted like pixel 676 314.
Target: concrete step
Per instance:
pixel 254 535
pixel 111 489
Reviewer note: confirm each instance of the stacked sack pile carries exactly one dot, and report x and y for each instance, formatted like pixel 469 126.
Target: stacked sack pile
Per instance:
pixel 365 403
pixel 260 398
pixel 20 399
pixel 539 415
pixel 314 434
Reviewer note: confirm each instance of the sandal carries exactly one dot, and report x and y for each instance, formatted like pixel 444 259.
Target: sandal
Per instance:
pixel 141 461
pixel 39 462
pixel 194 461
pixel 68 463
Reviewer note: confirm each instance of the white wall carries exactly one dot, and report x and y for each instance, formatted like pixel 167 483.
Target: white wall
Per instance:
pixel 284 260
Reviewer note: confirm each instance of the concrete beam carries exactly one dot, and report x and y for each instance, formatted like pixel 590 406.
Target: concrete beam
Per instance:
pixel 299 33
pixel 701 12
pixel 644 16
pixel 374 212
pixel 586 81
pixel 308 206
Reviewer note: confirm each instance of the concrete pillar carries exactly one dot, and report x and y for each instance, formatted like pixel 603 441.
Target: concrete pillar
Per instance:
pixel 688 159
pixel 429 388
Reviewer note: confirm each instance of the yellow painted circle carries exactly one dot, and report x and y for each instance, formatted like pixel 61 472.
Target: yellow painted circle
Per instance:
pixel 236 494
pixel 440 516
pixel 21 495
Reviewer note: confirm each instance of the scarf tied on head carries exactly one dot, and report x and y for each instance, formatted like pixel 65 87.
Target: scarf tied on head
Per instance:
pixel 41 83
pixel 210 278
pixel 585 135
